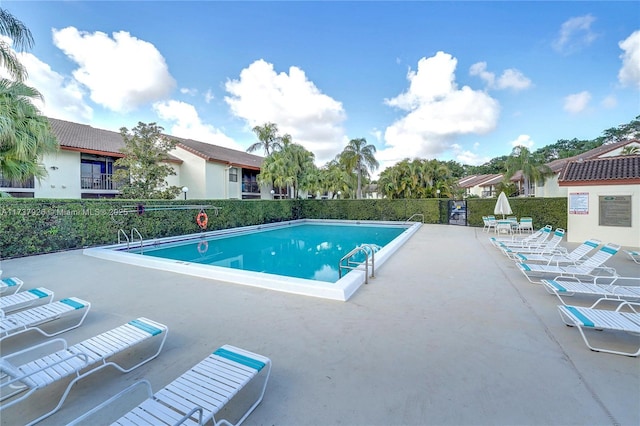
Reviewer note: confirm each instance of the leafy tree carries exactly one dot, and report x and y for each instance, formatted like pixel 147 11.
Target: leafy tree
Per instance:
pixel 25 135
pixel 22 40
pixel 417 179
pixel 359 157
pixel 268 139
pixel 532 167
pixel 143 171
pixel 291 166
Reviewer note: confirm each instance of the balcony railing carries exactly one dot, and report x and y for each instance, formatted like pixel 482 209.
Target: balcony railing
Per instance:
pixel 250 187
pixel 11 183
pixel 102 181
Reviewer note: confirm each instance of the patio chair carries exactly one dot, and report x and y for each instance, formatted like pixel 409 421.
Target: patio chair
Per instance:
pixel 586 270
pixel 624 318
pixel 560 255
pixel 35 318
pixel 23 378
pixel 537 238
pixel 199 394
pixel 10 285
pixel 613 289
pixel 525 224
pixel 634 255
pixel 491 223
pixel 547 247
pixel 25 299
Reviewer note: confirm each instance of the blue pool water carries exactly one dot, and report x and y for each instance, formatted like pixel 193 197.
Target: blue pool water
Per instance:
pixel 309 251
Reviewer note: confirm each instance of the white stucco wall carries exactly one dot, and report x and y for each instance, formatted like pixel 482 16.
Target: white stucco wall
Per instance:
pixel 581 227
pixel 192 173
pixel 63 180
pixel 550 188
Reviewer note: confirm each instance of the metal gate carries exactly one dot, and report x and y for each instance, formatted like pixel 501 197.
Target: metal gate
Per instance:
pixel 457 212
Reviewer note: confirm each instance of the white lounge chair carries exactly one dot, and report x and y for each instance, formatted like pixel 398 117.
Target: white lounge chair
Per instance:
pixel 634 255
pixel 624 318
pixel 586 270
pixel 614 289
pixel 545 248
pixel 80 360
pixel 560 255
pixel 35 318
pixel 197 395
pixel 538 237
pixel 10 285
pixel 25 299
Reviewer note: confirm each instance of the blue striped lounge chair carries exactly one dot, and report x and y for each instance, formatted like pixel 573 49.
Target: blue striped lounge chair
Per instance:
pixel 624 318
pixel 38 318
pixel 25 299
pixel 560 255
pixel 633 255
pixel 545 248
pixel 10 285
pixel 77 361
pixel 199 394
pixel 585 271
pixel 601 287
pixel 538 237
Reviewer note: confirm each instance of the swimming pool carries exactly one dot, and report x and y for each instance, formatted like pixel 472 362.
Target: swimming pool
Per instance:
pixel 298 257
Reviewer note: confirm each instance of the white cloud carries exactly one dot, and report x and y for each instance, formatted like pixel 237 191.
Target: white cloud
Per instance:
pixel 610 102
pixel 188 125
pixel 120 73
pixel 208 97
pixel 188 91
pixel 523 140
pixel 575 34
pixel 437 112
pixel 577 102
pixel 629 74
pixel 511 78
pixel 293 102
pixel 469 157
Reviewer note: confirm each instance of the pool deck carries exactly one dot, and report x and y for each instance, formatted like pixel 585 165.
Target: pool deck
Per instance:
pixel 449 332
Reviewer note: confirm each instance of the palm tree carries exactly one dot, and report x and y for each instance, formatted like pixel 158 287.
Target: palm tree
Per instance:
pixel 268 139
pixel 22 40
pixel 24 134
pixel 359 157
pixel 531 167
pixel 631 150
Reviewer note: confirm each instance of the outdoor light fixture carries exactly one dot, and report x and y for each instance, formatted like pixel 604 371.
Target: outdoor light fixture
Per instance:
pixel 438 192
pixel 185 190
pixel 339 193
pixel 272 192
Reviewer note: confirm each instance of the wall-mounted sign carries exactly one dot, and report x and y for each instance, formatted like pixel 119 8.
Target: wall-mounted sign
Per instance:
pixel 615 210
pixel 579 203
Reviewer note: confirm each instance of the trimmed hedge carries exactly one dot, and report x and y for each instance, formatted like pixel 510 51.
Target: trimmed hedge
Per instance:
pixel 38 226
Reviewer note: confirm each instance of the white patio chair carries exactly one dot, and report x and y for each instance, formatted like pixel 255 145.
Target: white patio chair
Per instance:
pixel 197 395
pixel 633 255
pixel 560 255
pixel 25 299
pixel 525 225
pixel 547 247
pixel 23 378
pixel 35 318
pixel 614 288
pixel 624 318
pixel 10 285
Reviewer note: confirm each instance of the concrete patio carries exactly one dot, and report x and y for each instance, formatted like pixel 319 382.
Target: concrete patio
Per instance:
pixel 449 332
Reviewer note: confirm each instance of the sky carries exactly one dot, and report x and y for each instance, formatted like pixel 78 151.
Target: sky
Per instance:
pixel 463 81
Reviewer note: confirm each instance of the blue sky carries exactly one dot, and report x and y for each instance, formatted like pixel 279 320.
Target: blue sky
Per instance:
pixel 462 81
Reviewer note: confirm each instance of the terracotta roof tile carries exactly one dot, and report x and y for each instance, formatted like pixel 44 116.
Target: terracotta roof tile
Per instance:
pixel 599 171
pixel 218 153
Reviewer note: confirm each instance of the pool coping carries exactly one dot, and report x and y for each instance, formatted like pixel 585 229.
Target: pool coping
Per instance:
pixel 341 290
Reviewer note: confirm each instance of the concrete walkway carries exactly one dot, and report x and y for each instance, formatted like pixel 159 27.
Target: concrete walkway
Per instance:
pixel 447 333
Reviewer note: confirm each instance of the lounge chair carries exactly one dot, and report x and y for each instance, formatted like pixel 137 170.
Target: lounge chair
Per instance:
pixel 547 247
pixel 35 318
pixel 560 255
pixel 586 270
pixel 198 394
pixel 539 235
pixel 80 360
pixel 25 299
pixel 615 288
pixel 634 255
pixel 10 285
pixel 624 318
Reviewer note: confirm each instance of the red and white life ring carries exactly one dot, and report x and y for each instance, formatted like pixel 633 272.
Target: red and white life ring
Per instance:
pixel 202 220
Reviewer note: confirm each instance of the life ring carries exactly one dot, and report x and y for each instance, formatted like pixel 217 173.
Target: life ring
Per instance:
pixel 203 246
pixel 202 220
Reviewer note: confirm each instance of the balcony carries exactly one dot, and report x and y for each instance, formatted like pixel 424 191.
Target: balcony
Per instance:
pixel 250 187
pixel 100 181
pixel 10 183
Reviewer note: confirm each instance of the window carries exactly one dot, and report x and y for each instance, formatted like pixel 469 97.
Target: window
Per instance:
pixel 233 174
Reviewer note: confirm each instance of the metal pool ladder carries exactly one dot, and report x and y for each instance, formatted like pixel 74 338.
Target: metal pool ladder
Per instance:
pixel 348 263
pixel 130 240
pixel 415 215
